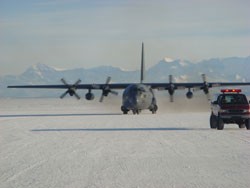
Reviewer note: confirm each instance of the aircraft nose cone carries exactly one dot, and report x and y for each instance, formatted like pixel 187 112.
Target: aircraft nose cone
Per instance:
pixel 134 102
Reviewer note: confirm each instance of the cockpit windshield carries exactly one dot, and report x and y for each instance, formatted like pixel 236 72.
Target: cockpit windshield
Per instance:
pixel 141 89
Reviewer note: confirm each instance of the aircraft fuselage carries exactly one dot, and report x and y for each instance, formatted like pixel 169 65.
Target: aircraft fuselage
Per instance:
pixel 137 97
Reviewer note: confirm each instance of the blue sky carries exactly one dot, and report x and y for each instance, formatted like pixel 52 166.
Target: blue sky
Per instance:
pixel 75 33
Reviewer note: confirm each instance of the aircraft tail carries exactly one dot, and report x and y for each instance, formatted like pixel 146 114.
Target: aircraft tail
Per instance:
pixel 142 64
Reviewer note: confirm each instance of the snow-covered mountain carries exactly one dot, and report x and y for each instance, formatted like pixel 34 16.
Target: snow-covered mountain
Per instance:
pixel 226 69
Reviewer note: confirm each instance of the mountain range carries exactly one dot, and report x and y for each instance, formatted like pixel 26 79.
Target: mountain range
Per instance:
pixel 217 69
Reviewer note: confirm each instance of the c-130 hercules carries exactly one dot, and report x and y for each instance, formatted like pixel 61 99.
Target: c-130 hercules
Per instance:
pixel 136 96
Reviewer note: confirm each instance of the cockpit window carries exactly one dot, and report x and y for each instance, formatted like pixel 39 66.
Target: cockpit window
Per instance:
pixel 141 89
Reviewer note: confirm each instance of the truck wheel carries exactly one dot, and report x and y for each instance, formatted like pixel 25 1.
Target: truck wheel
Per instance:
pixel 241 126
pixel 220 124
pixel 247 123
pixel 213 121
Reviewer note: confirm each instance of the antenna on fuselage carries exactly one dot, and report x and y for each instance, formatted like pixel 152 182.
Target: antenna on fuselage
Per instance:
pixel 142 64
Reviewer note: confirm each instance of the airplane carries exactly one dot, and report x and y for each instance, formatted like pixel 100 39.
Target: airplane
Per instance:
pixel 136 96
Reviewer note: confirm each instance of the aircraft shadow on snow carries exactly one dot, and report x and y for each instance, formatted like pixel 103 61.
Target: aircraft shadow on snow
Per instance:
pixel 95 129
pixel 118 129
pixel 57 115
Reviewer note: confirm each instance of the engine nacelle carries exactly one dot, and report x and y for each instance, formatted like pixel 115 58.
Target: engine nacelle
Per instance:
pixel 89 96
pixel 189 95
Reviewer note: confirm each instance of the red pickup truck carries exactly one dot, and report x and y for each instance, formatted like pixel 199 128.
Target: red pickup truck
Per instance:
pixel 231 106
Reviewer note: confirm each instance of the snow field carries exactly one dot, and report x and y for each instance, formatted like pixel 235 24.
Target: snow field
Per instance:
pixel 68 143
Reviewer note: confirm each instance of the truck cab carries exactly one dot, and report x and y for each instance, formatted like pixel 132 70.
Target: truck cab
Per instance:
pixel 230 107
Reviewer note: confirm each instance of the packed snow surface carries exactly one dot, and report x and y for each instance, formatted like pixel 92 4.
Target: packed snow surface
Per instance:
pixel 74 144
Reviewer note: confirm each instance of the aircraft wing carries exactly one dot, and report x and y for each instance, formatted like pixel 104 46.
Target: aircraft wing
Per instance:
pixel 201 85
pixel 108 88
pixel 71 88
pixel 160 86
pixel 171 86
pixel 75 86
pixel 80 86
pixel 205 86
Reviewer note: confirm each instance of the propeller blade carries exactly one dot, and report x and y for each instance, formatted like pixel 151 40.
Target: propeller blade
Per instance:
pixel 170 79
pixel 64 94
pixel 77 96
pixel 101 98
pixel 171 88
pixel 114 92
pixel 106 90
pixel 77 82
pixel 64 82
pixel 71 89
pixel 171 98
pixel 108 80
pixel 204 78
pixel 206 87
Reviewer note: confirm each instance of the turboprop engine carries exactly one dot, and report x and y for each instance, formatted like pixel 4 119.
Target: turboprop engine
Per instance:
pixel 89 96
pixel 189 94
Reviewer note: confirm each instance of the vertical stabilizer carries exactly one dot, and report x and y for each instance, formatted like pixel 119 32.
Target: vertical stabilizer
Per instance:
pixel 142 64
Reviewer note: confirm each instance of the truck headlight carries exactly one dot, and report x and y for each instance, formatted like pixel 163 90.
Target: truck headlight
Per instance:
pixel 223 111
pixel 246 111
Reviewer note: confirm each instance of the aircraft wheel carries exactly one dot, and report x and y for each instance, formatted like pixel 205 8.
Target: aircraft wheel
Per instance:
pixel 124 110
pixel 154 109
pixel 136 111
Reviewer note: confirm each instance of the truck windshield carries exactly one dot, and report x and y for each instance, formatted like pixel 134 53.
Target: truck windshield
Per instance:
pixel 233 99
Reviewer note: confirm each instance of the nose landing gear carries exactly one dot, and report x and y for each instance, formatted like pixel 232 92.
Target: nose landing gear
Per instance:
pixel 137 111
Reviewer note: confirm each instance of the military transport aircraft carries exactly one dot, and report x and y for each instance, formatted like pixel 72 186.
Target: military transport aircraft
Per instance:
pixel 136 96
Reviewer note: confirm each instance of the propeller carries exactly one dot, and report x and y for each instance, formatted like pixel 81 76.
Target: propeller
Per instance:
pixel 106 89
pixel 71 89
pixel 205 86
pixel 171 88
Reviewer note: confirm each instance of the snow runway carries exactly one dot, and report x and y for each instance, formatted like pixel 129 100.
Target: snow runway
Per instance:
pixel 67 143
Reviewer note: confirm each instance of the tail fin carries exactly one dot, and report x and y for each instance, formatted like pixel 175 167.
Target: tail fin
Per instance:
pixel 142 64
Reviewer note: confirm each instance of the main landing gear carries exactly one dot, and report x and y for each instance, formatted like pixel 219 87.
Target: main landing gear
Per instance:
pixel 154 109
pixel 138 111
pixel 135 111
